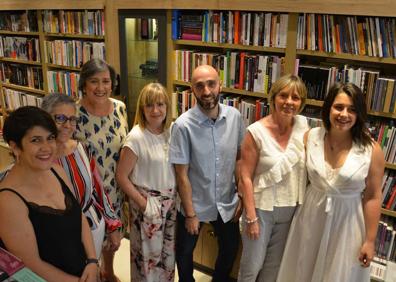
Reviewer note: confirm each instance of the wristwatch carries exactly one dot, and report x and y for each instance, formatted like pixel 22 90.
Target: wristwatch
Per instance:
pixel 92 260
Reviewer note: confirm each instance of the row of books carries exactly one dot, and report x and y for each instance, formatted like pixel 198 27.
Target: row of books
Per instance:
pixel 389 190
pixel 63 82
pixel 239 70
pixel 385 135
pixel 380 92
pixel 367 36
pixel 21 48
pixel 22 75
pixel 74 22
pixel 14 99
pixel 19 21
pixel 233 27
pixel 383 266
pixel 72 53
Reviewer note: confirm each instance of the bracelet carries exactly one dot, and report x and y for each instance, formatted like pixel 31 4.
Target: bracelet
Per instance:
pixel 192 216
pixel 91 260
pixel 251 220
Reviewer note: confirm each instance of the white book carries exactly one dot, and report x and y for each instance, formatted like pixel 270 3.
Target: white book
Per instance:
pixel 283 30
pixel 256 29
pixel 390 273
pixel 379 38
pixel 267 29
pixel 373 36
pixel 230 33
pixel 248 28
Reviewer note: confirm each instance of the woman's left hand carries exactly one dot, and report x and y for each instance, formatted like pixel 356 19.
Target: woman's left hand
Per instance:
pixel 113 241
pixel 90 273
pixel 366 254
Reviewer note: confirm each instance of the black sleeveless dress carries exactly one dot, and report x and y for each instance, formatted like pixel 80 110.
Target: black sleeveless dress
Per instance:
pixel 58 232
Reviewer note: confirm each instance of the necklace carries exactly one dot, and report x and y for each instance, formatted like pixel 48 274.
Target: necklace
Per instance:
pixel 337 146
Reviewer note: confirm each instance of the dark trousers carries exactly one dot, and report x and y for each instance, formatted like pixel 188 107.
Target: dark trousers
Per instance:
pixel 227 238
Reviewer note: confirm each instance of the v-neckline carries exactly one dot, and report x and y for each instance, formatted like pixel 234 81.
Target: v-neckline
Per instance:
pixel 276 142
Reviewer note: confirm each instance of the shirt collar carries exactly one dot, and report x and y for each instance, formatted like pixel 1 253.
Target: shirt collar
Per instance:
pixel 196 110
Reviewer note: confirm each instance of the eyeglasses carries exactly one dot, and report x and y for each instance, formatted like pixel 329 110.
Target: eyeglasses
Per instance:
pixel 200 85
pixel 62 119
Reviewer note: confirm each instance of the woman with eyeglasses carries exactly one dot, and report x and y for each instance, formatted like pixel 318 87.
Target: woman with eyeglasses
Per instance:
pixel 80 167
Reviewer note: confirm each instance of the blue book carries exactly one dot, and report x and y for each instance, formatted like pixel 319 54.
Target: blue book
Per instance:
pixel 176 17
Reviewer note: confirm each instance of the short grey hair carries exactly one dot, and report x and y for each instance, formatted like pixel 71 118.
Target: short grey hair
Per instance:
pixel 54 100
pixel 91 68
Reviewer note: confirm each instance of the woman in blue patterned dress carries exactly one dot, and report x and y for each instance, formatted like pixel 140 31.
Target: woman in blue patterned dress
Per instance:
pixel 103 128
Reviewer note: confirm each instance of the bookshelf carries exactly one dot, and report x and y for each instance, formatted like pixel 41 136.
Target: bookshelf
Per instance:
pixel 189 53
pixel 54 44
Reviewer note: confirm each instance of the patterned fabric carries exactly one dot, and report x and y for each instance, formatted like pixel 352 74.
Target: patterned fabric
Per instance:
pixel 153 239
pixel 104 137
pixel 80 167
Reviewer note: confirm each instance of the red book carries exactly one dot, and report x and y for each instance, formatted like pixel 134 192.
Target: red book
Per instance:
pixel 241 71
pixel 391 199
pixel 9 263
pixel 236 27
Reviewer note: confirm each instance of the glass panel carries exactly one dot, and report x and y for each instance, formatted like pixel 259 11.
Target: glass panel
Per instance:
pixel 142 58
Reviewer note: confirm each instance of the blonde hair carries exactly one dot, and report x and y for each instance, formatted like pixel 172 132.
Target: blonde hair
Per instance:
pixel 151 94
pixel 292 81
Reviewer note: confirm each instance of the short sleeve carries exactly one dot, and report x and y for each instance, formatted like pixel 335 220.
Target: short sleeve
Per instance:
pixel 255 132
pixel 242 131
pixel 179 152
pixel 131 141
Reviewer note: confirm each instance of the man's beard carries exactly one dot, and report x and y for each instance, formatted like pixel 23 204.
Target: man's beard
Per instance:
pixel 208 105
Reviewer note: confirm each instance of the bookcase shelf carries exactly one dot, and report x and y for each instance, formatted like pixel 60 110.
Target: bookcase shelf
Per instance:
pixel 20 33
pixel 18 61
pixel 74 36
pixel 390 166
pixel 60 67
pixel 23 88
pixel 346 56
pixel 230 46
pixel 388 212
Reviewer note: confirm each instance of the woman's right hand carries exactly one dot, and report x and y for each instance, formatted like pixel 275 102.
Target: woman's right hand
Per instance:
pixel 252 230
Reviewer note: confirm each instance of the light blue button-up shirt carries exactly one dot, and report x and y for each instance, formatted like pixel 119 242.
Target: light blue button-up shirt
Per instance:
pixel 210 149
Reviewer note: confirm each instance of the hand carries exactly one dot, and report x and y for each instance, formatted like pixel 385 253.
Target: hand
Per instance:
pixel 113 241
pixel 192 225
pixel 366 254
pixel 252 230
pixel 90 273
pixel 238 211
pixel 153 208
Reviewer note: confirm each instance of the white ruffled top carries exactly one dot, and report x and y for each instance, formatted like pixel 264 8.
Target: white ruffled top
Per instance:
pixel 280 175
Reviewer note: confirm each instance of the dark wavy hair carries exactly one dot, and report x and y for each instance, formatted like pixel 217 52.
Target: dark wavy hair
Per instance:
pixel 359 131
pixel 20 121
pixel 91 68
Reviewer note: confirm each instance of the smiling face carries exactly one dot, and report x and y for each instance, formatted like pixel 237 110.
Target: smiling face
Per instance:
pixel 38 148
pixel 65 120
pixel 342 113
pixel 206 87
pixel 98 87
pixel 155 114
pixel 287 102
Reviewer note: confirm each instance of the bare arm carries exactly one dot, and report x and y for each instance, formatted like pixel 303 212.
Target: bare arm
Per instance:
pixel 125 166
pixel 372 204
pixel 18 235
pixel 185 193
pixel 248 162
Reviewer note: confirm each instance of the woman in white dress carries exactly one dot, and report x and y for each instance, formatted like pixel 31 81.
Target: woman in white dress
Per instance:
pixel 333 233
pixel 147 178
pixel 272 180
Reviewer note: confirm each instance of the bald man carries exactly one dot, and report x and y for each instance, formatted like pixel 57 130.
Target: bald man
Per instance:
pixel 204 149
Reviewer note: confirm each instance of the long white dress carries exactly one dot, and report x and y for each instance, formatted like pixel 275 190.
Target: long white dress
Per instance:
pixel 328 229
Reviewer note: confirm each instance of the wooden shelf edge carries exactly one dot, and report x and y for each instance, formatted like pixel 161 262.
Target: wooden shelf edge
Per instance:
pixel 388 212
pixel 63 67
pixel 19 61
pixel 72 35
pixel 18 33
pixel 390 166
pixel 23 88
pixel 347 56
pixel 227 90
pixel 229 46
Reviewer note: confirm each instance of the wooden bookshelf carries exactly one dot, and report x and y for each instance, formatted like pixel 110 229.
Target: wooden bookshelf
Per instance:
pixel 60 67
pixel 23 88
pixel 388 212
pixel 20 33
pixel 19 61
pixel 75 36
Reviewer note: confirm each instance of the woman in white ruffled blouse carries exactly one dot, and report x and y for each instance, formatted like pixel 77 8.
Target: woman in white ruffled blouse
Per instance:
pixel 272 179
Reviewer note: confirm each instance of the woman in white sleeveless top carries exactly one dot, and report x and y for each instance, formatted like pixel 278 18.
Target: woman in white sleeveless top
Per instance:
pixel 333 233
pixel 272 179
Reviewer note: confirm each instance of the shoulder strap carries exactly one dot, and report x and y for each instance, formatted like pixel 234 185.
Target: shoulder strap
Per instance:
pixel 16 193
